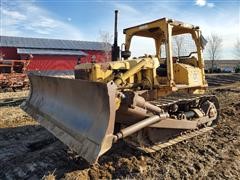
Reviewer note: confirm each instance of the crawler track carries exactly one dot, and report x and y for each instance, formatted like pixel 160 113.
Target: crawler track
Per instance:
pixel 187 135
pixel 153 139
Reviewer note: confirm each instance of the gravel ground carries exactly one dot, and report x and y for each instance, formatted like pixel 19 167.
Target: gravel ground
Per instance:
pixel 28 151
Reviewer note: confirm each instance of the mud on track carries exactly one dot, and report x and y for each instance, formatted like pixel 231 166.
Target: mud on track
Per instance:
pixel 28 151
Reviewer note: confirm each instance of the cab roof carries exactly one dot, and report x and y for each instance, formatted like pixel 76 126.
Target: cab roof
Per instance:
pixel 154 28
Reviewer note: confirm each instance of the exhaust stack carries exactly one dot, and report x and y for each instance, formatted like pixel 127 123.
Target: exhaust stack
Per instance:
pixel 115 47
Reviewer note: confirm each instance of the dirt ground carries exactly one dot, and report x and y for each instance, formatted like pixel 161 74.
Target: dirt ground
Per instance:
pixel 28 151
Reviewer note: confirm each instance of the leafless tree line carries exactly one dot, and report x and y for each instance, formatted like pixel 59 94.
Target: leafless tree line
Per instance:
pixel 106 38
pixel 237 49
pixel 178 42
pixel 213 49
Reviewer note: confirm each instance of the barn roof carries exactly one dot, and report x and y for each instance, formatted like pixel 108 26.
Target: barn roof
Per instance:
pixel 50 51
pixel 41 43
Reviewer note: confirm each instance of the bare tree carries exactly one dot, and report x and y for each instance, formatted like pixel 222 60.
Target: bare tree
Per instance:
pixel 214 48
pixel 178 43
pixel 106 40
pixel 237 49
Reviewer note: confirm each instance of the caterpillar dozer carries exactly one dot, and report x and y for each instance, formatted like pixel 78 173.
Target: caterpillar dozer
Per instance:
pixel 151 101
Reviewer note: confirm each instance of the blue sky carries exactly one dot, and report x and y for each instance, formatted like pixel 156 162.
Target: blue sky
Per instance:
pixel 83 20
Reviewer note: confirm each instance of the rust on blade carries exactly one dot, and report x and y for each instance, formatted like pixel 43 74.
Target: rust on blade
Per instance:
pixel 79 113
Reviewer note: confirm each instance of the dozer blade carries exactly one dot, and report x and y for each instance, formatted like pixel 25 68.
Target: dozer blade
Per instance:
pixel 79 113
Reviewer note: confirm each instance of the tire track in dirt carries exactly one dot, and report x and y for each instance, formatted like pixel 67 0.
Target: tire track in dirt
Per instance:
pixel 30 152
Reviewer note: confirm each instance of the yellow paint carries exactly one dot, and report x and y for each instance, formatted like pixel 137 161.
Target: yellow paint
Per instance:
pixel 185 75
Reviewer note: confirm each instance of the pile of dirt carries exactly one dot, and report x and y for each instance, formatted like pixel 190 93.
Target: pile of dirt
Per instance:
pixel 28 151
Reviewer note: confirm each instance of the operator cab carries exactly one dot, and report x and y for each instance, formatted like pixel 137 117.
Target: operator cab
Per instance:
pixel 178 46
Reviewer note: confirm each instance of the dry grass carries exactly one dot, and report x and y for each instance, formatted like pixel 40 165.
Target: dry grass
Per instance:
pixel 14 117
pixel 13 94
pixel 50 176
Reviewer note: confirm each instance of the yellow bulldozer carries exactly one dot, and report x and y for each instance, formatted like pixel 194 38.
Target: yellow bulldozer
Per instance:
pixel 150 101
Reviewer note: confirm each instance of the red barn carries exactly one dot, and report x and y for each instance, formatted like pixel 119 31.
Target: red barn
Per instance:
pixel 53 55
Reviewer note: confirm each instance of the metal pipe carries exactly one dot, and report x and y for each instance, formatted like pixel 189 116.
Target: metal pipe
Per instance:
pixel 138 126
pixel 141 102
pixel 130 72
pixel 115 28
pixel 115 47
